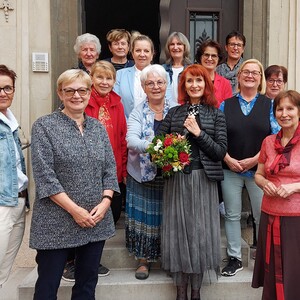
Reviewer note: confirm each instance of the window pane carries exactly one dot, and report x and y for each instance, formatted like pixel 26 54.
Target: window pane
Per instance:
pixel 203 26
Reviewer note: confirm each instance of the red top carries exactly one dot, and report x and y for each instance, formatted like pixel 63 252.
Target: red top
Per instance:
pixel 223 88
pixel 118 138
pixel 278 206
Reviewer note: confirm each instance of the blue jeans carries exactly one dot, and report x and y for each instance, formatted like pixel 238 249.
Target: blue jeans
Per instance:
pixel 51 264
pixel 232 187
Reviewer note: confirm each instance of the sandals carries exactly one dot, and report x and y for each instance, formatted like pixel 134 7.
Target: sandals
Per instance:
pixel 142 274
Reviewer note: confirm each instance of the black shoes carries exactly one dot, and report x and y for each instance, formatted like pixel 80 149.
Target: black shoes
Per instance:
pixel 234 265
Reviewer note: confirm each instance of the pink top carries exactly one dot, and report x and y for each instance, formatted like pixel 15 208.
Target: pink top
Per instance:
pixel 223 88
pixel 276 205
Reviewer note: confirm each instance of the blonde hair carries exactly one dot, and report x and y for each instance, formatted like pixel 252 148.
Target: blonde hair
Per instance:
pixel 104 67
pixel 72 75
pixel 141 37
pixel 262 86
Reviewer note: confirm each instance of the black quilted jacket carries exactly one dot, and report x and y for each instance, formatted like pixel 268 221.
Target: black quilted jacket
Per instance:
pixel 212 141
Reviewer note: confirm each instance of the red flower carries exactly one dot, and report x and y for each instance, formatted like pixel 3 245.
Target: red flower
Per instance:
pixel 183 157
pixel 168 142
pixel 167 168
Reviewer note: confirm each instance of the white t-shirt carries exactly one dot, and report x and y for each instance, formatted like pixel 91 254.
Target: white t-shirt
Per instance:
pixel 176 72
pixel 139 94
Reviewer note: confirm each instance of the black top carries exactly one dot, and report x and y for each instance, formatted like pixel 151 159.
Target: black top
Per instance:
pixel 246 133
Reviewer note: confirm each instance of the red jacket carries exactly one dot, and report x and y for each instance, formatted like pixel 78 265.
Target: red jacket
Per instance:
pixel 223 88
pixel 116 111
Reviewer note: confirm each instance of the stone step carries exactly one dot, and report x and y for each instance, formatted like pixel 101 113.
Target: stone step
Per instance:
pixel 115 254
pixel 121 284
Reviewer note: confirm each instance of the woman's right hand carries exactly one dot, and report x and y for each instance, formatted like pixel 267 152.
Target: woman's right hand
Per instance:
pixel 233 164
pixel 83 218
pixel 270 189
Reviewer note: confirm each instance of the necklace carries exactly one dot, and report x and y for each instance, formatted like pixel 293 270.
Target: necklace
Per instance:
pixel 156 111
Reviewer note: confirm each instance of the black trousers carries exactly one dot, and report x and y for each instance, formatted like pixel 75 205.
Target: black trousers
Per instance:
pixel 51 264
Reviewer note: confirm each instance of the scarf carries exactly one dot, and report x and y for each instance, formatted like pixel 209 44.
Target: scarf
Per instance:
pixel 104 114
pixel 283 153
pixel 273 235
pixel 148 169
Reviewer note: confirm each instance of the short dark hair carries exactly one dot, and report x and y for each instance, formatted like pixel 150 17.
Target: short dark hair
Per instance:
pixel 236 34
pixel 275 69
pixel 4 70
pixel 204 45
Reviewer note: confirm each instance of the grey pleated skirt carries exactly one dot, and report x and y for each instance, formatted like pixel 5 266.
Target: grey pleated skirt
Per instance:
pixel 191 224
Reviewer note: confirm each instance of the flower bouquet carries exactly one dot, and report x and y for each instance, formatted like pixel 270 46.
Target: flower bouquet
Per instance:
pixel 170 152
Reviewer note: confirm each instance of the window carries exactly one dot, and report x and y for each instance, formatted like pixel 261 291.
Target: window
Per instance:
pixel 203 26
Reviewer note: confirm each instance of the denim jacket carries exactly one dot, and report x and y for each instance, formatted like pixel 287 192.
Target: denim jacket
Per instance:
pixel 8 166
pixel 168 68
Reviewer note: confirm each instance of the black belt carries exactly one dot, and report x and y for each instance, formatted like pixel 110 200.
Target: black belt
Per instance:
pixel 22 194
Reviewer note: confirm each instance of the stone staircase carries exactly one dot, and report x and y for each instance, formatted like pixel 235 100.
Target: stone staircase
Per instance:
pixel 122 284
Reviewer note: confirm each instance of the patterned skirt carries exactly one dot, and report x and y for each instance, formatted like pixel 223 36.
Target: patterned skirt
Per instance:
pixel 143 216
pixel 191 225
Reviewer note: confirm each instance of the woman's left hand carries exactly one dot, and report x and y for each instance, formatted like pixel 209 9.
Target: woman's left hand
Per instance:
pixel 286 190
pixel 99 211
pixel 192 126
pixel 248 163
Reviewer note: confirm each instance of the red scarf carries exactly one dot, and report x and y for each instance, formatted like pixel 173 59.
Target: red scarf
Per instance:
pixel 103 114
pixel 284 153
pixel 273 234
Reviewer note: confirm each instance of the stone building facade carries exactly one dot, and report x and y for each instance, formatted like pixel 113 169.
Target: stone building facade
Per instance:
pixel 272 29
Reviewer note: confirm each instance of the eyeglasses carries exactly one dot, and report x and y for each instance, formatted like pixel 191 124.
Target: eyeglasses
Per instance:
pixel 238 45
pixel 71 92
pixel 8 89
pixel 247 73
pixel 277 81
pixel 151 84
pixel 207 55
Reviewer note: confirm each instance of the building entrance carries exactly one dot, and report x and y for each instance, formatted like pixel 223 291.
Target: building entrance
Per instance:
pixel 142 16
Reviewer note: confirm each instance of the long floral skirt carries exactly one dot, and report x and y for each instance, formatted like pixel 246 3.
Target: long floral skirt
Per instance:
pixel 143 218
pixel 190 227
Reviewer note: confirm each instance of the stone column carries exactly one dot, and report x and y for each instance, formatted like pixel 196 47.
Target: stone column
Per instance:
pixel 284 38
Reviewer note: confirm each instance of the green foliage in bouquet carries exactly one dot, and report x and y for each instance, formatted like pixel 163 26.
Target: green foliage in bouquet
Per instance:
pixel 170 152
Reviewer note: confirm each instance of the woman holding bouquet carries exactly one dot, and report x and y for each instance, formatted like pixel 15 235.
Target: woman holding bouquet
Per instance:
pixel 144 185
pixel 190 228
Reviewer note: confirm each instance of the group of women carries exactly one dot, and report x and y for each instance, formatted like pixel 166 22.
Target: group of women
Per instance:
pixel 80 159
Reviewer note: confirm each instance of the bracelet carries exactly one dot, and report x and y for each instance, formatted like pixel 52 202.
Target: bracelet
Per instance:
pixel 108 197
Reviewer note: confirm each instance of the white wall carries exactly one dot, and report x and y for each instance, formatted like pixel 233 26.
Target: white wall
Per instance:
pixel 284 38
pixel 27 30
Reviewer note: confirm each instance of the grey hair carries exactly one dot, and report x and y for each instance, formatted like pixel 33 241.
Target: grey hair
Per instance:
pixel 153 69
pixel 187 48
pixel 87 38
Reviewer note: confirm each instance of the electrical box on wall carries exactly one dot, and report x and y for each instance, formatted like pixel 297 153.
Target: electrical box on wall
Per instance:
pixel 40 62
